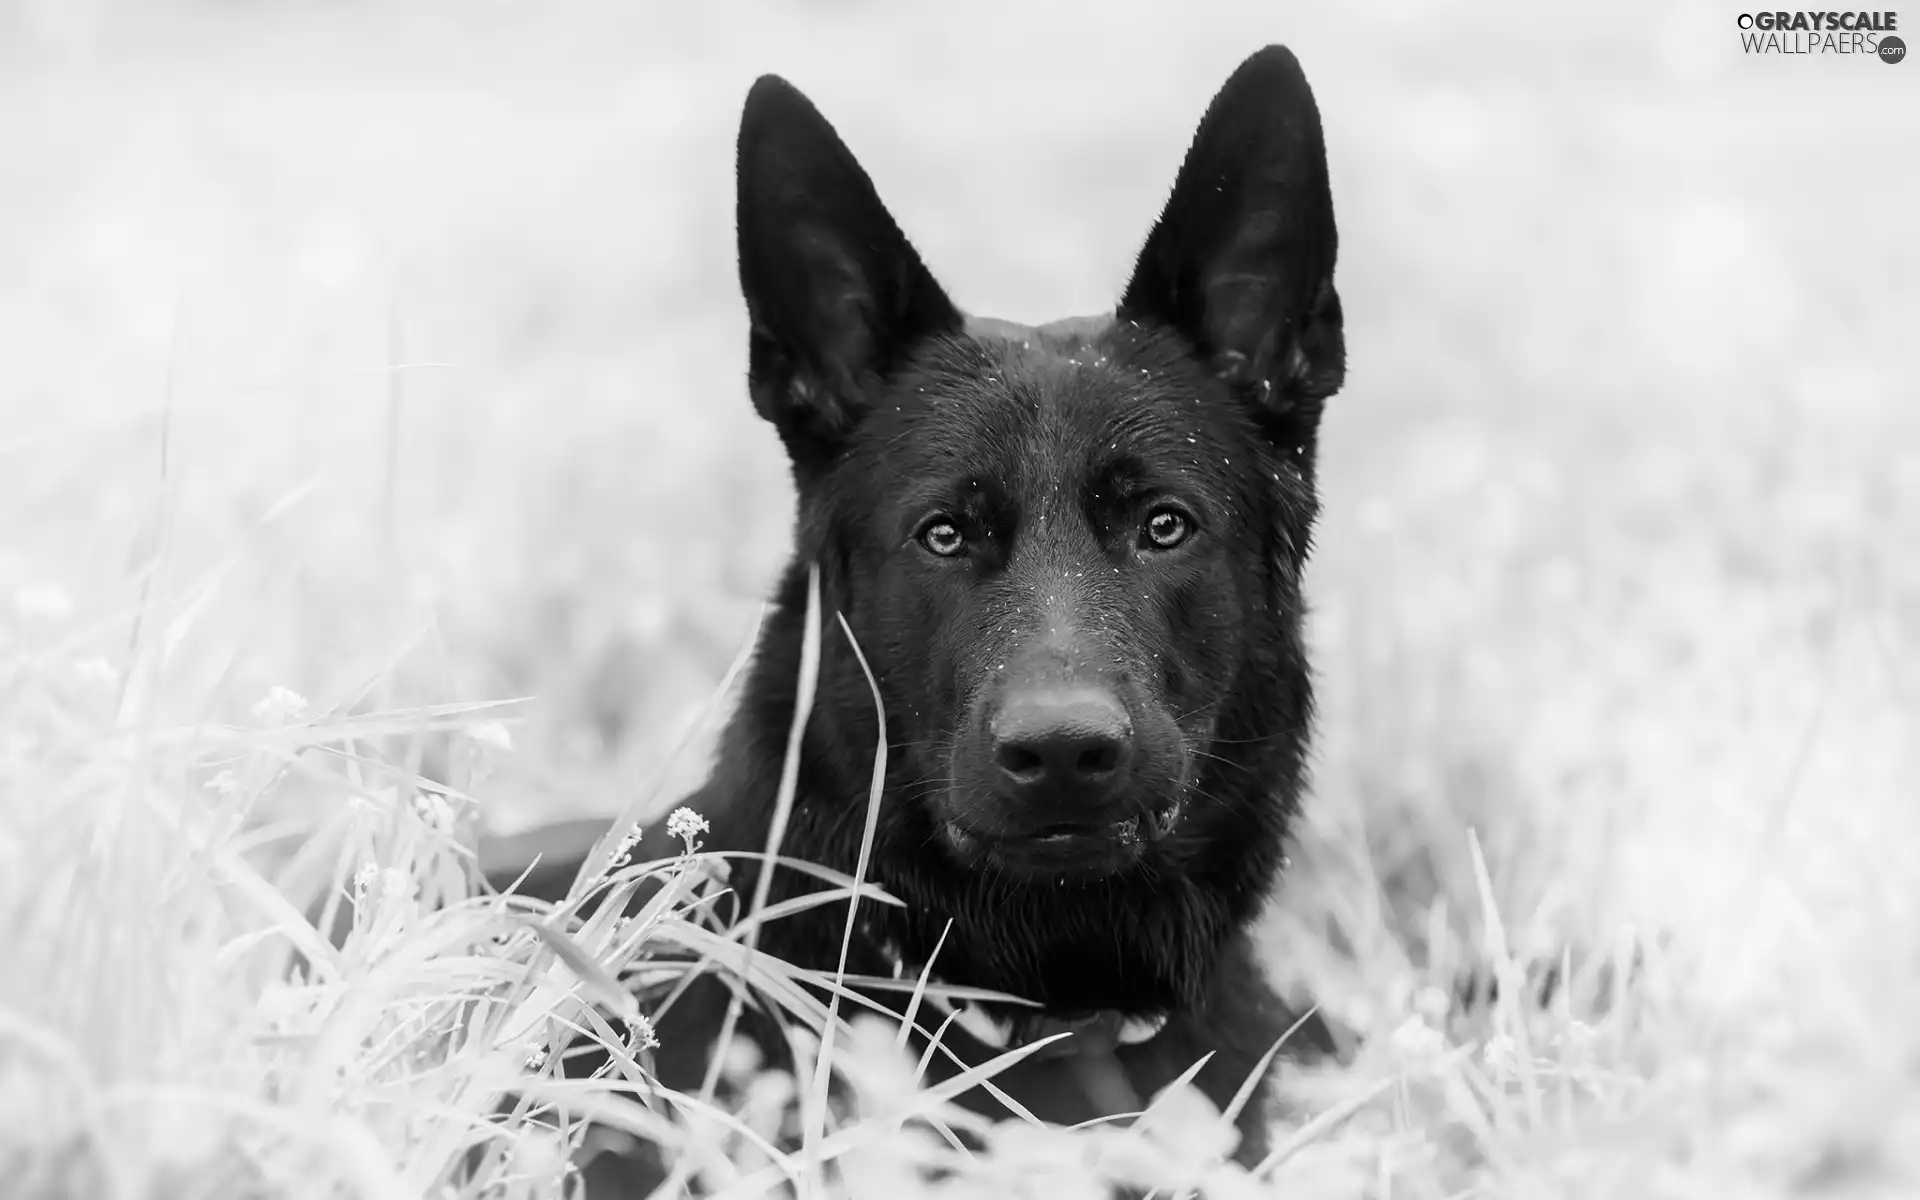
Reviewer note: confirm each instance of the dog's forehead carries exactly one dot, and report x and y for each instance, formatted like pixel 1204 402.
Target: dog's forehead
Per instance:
pixel 1017 390
pixel 1064 389
pixel 1038 407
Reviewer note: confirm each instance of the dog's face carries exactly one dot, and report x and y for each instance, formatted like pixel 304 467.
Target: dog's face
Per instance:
pixel 1055 540
pixel 1060 548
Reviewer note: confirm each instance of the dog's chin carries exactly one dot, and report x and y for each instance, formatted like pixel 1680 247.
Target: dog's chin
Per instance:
pixel 1061 858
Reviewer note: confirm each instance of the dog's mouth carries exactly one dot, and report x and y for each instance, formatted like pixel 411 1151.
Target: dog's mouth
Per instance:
pixel 1065 852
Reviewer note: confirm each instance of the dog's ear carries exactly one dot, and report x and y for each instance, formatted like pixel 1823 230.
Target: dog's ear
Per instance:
pixel 1241 261
pixel 835 294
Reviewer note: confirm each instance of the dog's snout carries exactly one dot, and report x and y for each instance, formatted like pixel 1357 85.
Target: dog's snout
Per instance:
pixel 1073 743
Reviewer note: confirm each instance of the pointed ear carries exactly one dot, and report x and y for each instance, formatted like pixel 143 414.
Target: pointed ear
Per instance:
pixel 835 294
pixel 1241 261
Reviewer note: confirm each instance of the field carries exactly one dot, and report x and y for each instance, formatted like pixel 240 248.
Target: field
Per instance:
pixel 367 364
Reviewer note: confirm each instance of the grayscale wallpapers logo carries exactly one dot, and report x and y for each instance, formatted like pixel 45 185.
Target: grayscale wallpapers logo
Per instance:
pixel 1866 34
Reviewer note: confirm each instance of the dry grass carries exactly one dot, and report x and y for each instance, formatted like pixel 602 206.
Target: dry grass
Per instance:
pixel 372 368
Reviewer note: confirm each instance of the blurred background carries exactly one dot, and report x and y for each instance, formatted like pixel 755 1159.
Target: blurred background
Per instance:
pixel 405 338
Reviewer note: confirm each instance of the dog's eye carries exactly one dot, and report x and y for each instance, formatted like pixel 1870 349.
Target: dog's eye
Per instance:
pixel 1167 528
pixel 941 536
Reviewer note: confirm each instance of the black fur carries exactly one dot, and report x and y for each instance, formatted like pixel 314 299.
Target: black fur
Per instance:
pixel 1044 453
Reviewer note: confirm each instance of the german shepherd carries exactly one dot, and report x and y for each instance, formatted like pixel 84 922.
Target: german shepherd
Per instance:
pixel 1072 557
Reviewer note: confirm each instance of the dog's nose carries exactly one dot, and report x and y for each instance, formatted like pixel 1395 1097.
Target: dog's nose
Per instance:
pixel 1072 743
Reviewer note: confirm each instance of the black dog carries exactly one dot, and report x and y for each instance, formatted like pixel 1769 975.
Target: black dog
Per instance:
pixel 1072 556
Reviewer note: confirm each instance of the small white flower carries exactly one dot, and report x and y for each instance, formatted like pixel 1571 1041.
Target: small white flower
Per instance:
pixel 491 733
pixel 641 1036
pixel 43 602
pixel 742 1060
pixel 224 783
pixel 622 854
pixel 436 810
pixel 279 706
pixel 363 880
pixel 1579 1042
pixel 686 825
pixel 1416 1041
pixel 1501 1055
pixel 536 1058
pixel 395 884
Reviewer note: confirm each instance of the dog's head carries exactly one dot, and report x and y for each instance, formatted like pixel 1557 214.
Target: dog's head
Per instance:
pixel 1070 553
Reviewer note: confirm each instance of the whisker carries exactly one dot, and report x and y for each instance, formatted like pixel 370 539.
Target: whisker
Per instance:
pixel 1288 731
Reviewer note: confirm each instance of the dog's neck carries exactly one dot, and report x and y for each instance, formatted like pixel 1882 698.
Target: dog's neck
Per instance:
pixel 1004 1027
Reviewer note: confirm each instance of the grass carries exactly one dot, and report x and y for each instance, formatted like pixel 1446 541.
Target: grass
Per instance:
pixel 375 468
